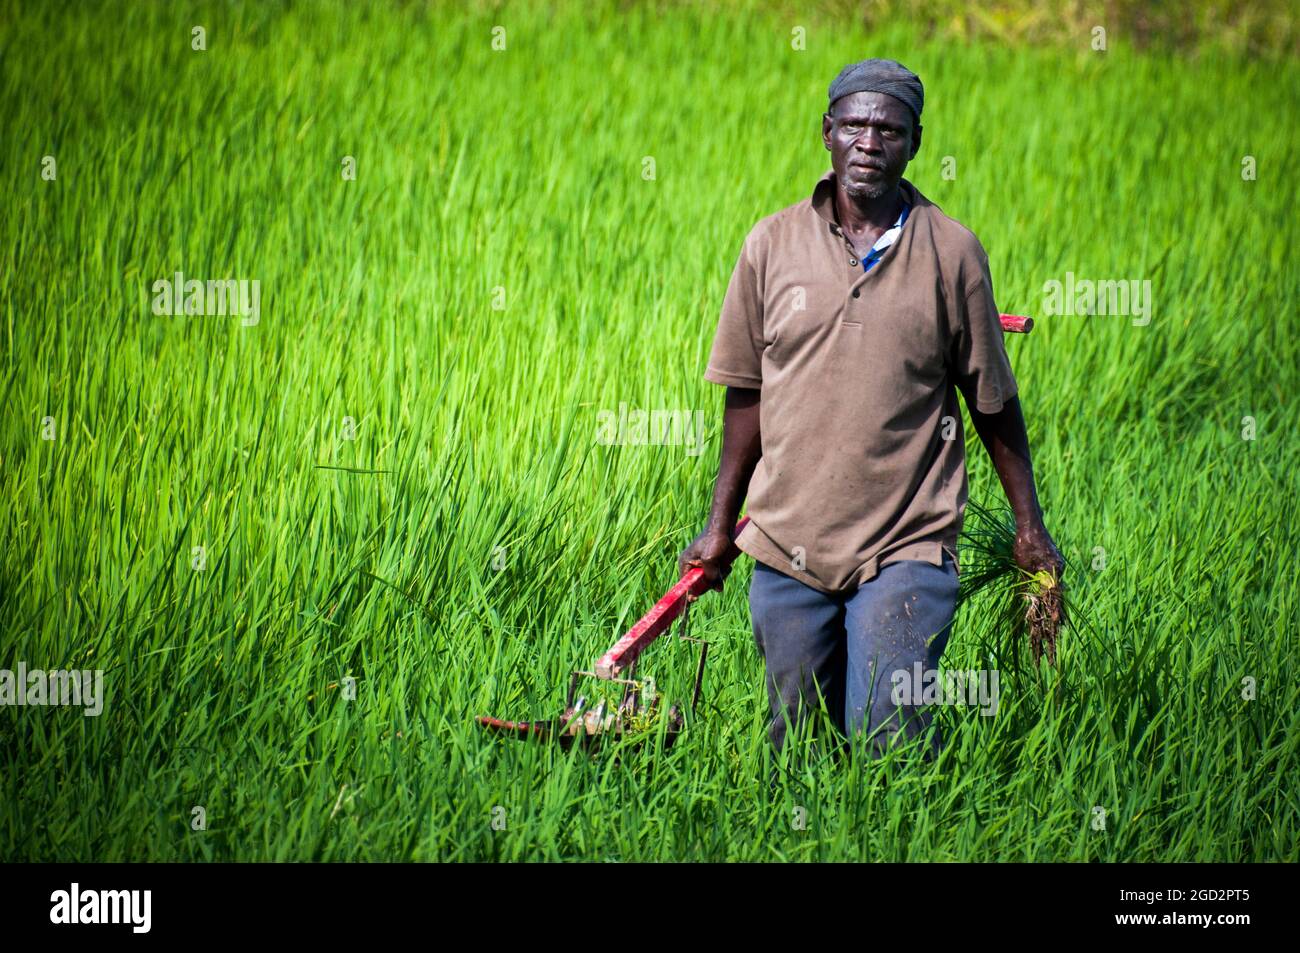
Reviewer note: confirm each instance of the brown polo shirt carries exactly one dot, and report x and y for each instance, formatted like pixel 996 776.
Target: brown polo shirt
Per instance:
pixel 858 373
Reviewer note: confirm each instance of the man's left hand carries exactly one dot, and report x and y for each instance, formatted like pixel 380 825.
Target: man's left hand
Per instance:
pixel 1035 551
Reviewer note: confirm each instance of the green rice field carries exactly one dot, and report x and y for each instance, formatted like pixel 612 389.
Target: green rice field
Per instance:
pixel 307 544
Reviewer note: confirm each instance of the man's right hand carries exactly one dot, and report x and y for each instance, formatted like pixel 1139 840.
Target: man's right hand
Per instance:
pixel 714 551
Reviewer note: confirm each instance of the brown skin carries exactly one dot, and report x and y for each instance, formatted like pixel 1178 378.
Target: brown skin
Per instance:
pixel 861 131
pixel 1004 437
pixel 742 446
pixel 876 131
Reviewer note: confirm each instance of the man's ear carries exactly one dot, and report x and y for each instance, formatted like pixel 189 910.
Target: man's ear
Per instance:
pixel 827 122
pixel 916 142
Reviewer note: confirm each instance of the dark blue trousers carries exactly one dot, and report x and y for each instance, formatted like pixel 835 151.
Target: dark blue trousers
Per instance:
pixel 845 648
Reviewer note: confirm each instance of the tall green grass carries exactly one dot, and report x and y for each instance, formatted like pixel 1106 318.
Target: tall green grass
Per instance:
pixel 373 558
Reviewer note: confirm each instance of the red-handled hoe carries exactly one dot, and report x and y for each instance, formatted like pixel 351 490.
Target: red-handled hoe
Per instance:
pixel 640 704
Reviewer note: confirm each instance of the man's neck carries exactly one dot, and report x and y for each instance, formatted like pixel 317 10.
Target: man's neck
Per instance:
pixel 858 215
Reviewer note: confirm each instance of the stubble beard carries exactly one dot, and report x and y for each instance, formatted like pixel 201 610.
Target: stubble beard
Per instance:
pixel 869 192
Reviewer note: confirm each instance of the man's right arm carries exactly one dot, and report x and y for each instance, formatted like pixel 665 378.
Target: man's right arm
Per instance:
pixel 742 447
pixel 736 362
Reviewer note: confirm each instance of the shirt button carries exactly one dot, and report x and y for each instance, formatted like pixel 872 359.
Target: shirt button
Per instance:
pixel 856 292
pixel 853 261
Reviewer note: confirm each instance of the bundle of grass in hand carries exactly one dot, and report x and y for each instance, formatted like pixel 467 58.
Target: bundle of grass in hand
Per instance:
pixel 1033 604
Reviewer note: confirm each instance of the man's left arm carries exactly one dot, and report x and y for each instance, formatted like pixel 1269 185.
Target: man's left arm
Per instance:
pixel 1007 442
pixel 982 372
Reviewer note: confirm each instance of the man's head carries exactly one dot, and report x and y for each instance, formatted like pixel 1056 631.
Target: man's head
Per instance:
pixel 872 125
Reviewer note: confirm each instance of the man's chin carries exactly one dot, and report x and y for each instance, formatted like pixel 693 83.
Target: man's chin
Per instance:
pixel 867 190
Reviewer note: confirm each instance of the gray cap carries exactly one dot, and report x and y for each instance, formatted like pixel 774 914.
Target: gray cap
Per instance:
pixel 879 76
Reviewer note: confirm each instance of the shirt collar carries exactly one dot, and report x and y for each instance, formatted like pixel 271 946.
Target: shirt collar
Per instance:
pixel 891 234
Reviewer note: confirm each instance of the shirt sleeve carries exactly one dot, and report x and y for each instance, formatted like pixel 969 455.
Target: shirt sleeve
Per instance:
pixel 980 366
pixel 737 356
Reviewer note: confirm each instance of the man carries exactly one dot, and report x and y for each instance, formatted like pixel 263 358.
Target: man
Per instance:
pixel 851 320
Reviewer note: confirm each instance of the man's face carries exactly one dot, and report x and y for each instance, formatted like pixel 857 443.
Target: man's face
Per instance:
pixel 871 139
